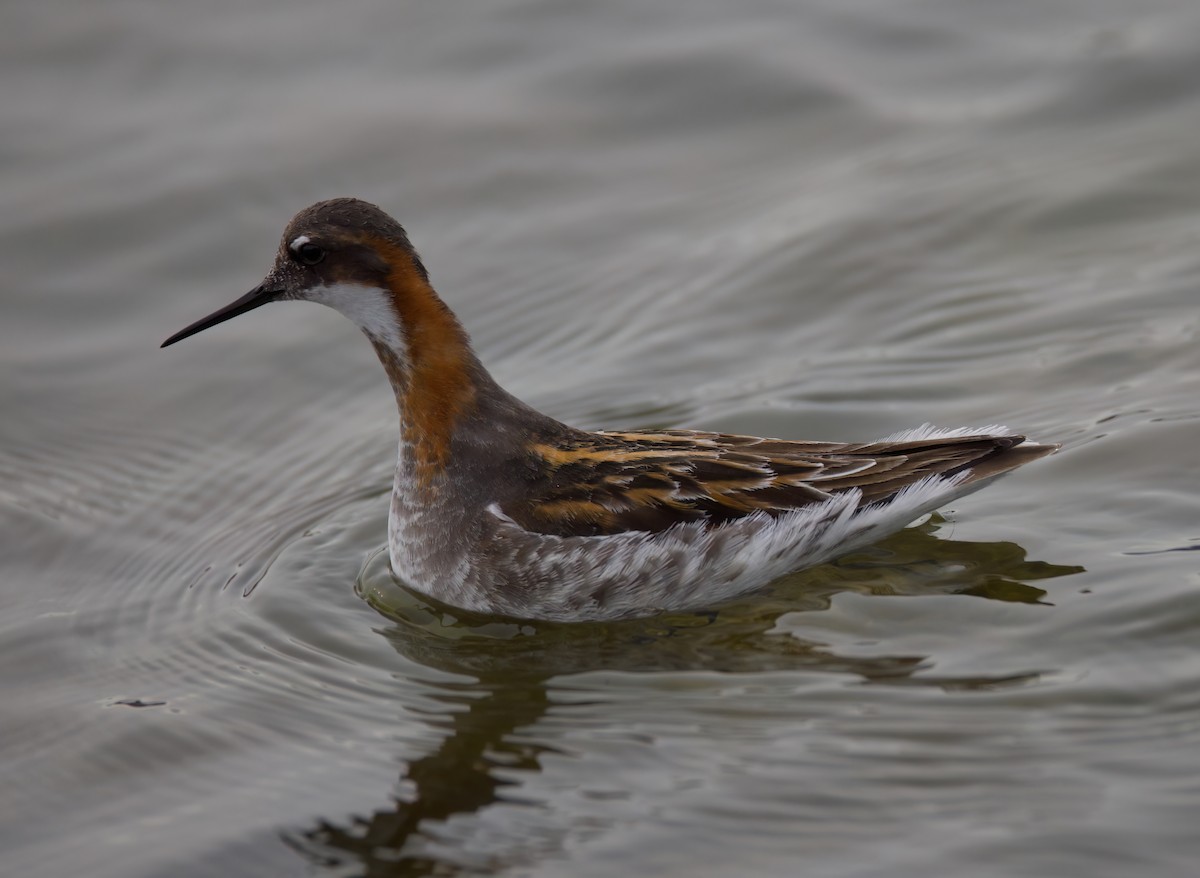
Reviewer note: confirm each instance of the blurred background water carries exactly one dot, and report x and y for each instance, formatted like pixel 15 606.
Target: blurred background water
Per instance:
pixel 802 219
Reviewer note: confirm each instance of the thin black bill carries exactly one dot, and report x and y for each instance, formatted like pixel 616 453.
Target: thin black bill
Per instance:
pixel 257 297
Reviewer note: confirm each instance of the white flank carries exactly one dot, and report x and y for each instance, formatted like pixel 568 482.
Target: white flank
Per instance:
pixel 929 431
pixel 694 565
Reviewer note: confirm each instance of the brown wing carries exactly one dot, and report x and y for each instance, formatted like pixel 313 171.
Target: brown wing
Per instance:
pixel 604 483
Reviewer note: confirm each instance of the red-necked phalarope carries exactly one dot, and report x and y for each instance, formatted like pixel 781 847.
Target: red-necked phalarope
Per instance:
pixel 499 509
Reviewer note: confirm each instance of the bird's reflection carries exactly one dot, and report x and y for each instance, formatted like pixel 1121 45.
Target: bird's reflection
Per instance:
pixel 506 667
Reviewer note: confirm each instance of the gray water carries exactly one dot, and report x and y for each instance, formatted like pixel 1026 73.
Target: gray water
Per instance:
pixel 813 220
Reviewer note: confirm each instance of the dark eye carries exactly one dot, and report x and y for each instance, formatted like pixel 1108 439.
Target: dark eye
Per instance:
pixel 309 253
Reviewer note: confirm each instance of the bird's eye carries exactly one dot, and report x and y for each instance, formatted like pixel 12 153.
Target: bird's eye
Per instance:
pixel 309 253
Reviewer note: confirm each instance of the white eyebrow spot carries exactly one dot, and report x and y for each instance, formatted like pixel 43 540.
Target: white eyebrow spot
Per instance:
pixel 298 243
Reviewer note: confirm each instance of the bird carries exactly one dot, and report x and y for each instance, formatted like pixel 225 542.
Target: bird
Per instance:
pixel 500 510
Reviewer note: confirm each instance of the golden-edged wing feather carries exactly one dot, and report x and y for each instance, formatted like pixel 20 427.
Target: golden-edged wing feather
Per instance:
pixel 606 483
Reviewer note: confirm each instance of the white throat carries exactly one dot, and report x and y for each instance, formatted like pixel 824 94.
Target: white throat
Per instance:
pixel 369 308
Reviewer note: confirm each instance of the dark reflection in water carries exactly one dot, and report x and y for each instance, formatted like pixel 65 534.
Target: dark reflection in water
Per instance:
pixel 511 663
pixel 457 778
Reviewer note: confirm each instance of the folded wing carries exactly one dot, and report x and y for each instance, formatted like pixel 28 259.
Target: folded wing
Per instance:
pixel 606 483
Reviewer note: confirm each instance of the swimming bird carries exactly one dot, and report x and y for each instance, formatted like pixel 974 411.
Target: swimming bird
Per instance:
pixel 499 509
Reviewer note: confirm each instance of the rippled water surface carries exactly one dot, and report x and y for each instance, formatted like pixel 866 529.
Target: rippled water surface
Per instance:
pixel 813 220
